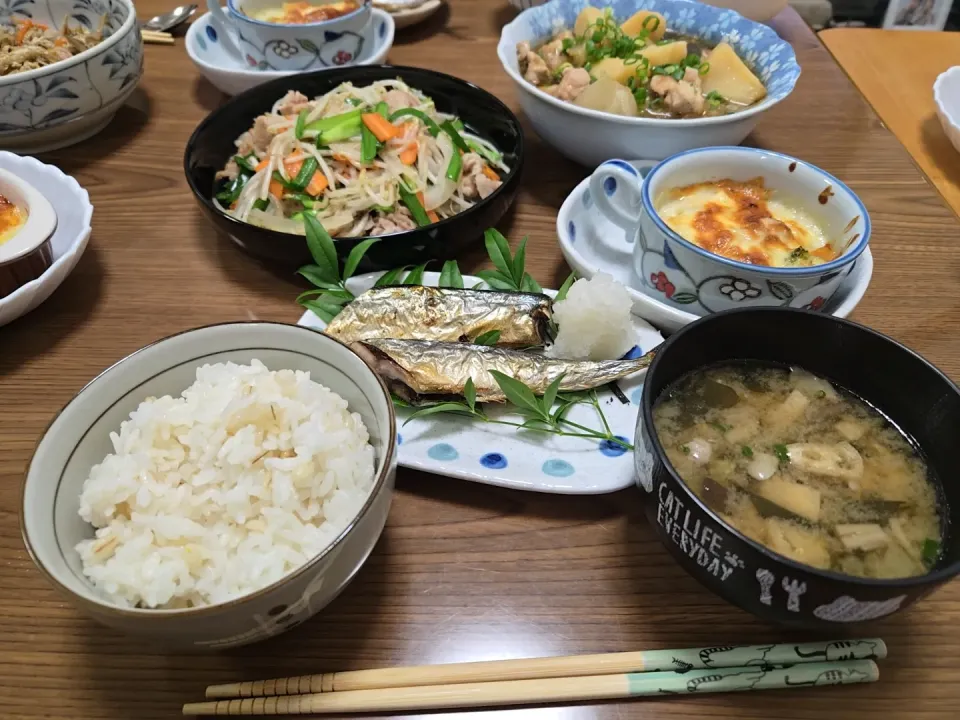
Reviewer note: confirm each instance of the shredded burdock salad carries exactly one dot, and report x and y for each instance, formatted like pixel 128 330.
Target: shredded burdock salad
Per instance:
pixel 371 160
pixel 28 45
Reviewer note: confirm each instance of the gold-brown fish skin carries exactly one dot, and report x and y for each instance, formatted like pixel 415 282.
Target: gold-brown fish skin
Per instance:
pixel 416 312
pixel 421 371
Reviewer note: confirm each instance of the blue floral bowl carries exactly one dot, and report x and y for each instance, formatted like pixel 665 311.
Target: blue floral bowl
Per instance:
pixel 590 137
pixel 69 101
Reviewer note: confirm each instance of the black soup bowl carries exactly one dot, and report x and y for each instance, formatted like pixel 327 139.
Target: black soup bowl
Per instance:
pixel 212 145
pixel 908 390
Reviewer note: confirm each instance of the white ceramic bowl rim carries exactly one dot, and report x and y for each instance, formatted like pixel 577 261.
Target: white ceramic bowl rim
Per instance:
pixel 841 261
pixel 939 89
pixel 237 14
pixel 503 52
pixel 389 438
pixel 82 57
pixel 40 224
pixel 194 29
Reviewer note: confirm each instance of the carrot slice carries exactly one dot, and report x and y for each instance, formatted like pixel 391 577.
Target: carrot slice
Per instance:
pixel 262 165
pixel 382 128
pixel 276 189
pixel 409 155
pixel 22 28
pixel 318 183
pixel 488 171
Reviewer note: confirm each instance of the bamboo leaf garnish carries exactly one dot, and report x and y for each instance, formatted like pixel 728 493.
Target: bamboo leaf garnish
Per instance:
pixel 491 337
pixel 416 276
pixel 470 393
pixel 518 393
pixel 391 277
pixel 450 276
pixel 565 288
pixel 518 262
pixel 550 394
pixel 496 279
pixel 451 407
pixel 355 256
pixel 499 251
pixel 322 249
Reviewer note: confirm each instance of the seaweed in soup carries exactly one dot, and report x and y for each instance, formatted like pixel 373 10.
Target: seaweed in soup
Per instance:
pixel 803 467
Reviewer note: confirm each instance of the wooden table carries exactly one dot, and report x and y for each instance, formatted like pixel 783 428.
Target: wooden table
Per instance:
pixel 463 571
pixel 895 70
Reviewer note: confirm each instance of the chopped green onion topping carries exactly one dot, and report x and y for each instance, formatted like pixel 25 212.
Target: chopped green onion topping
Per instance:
pixel 930 552
pixel 780 451
pixel 244 165
pixel 307 169
pixel 746 451
pixel 301 123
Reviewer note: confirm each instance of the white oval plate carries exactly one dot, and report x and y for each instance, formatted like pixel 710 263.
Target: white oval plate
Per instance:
pixel 579 219
pixel 405 17
pixel 501 455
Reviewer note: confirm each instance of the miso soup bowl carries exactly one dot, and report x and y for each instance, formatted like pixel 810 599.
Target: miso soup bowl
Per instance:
pixel 684 276
pixel 910 391
pixel 79 437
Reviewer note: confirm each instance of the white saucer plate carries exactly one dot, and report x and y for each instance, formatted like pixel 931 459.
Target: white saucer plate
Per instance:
pixel 406 17
pixel 73 210
pixel 233 75
pixel 502 455
pixel 581 228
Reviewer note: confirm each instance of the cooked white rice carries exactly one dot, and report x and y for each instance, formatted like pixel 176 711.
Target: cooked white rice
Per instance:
pixel 223 490
pixel 593 321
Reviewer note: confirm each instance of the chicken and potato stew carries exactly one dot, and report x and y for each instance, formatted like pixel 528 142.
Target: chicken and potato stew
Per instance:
pixel 639 68
pixel 804 468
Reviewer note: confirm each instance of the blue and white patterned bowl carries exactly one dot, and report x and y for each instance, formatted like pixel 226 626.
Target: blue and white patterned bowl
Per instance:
pixel 590 137
pixel 233 75
pixel 69 101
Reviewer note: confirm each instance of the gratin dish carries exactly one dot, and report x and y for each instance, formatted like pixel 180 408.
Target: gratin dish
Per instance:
pixel 233 75
pixel 71 206
pixel 590 137
pixel 27 254
pixel 212 144
pixel 69 101
pixel 592 243
pixel 78 438
pixel 946 95
pixel 915 395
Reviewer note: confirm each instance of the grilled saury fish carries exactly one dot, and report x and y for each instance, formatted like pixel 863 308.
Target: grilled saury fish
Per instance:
pixel 420 371
pixel 444 315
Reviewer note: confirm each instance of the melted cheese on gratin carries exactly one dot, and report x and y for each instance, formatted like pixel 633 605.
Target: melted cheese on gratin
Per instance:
pixel 742 222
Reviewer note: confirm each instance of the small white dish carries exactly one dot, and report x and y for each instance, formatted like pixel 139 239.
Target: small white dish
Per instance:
pixel 946 95
pixel 499 455
pixel 71 207
pixel 579 218
pixel 233 75
pixel 407 16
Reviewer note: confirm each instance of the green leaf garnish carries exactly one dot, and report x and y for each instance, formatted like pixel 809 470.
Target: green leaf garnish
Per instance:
pixel 498 249
pixel 470 393
pixel 746 451
pixel 496 279
pixel 550 394
pixel 355 256
pixel 930 552
pixel 323 308
pixel 528 284
pixel 450 276
pixel 450 407
pixel 416 276
pixel 491 337
pixel 391 277
pixel 322 250
pixel 518 262
pixel 517 393
pixel 565 288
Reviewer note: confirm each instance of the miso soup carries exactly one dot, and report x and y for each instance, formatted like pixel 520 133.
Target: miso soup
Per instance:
pixel 804 468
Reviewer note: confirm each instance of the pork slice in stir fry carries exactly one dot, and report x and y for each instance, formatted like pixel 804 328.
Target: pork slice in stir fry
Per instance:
pixel 476 182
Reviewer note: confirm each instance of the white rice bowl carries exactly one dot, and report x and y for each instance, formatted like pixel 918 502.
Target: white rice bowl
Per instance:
pixel 245 477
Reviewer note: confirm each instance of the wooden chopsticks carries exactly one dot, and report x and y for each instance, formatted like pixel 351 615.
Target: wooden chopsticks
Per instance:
pixel 152 37
pixel 549 680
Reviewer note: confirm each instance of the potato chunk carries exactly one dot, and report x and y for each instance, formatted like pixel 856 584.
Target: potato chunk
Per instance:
pixel 608 95
pixel 635 25
pixel 613 68
pixel 799 499
pixel 669 54
pixel 587 17
pixel 730 77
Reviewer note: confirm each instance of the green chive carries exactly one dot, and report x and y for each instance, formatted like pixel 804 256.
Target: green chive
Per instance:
pixel 301 123
pixel 453 169
pixel 244 165
pixel 307 169
pixel 381 108
pixel 355 102
pixel 458 140
pixel 746 451
pixel 430 124
pixel 414 206
pixel 781 452
pixel 368 145
pixel 333 121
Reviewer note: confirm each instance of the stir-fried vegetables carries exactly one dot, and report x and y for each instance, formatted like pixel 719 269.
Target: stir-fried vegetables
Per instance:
pixel 367 160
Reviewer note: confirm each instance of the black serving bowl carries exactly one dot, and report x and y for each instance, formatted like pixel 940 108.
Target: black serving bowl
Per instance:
pixel 916 396
pixel 212 144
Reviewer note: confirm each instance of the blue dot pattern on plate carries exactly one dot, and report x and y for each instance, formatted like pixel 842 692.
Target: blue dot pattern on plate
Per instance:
pixel 587 199
pixel 610 186
pixel 572 229
pixel 443 452
pixel 494 461
pixel 382 30
pixel 399 439
pixel 613 449
pixel 633 353
pixel 557 468
pixel 636 395
pixel 211 33
pixel 201 42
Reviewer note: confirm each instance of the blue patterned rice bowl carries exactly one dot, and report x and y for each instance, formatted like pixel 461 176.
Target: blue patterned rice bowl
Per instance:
pixel 592 137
